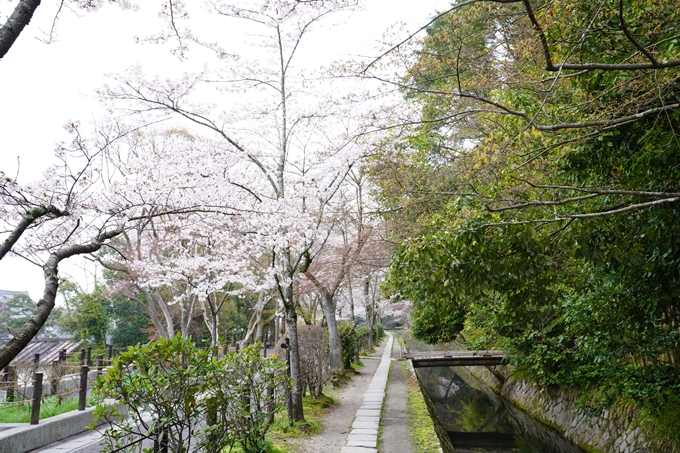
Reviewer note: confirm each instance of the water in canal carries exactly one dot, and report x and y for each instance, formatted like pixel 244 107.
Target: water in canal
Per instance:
pixel 477 420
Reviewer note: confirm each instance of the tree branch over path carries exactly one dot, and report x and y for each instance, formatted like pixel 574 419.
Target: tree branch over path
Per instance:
pixel 18 20
pixel 45 305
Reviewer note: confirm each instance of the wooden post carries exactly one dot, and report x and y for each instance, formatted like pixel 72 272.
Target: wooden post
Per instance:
pixel 225 348
pixel 89 356
pixel 62 355
pixel 36 359
pixel 82 356
pixel 100 364
pixel 37 397
pixel 82 396
pixel 109 352
pixel 56 377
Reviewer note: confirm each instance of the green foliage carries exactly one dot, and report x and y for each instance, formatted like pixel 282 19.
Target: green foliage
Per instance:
pixel 501 221
pixel 130 321
pixel 348 340
pixel 378 332
pixel 16 311
pixel 87 316
pixel 434 327
pixel 180 385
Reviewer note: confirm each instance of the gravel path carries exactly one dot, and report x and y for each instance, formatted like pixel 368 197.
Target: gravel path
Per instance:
pixel 336 425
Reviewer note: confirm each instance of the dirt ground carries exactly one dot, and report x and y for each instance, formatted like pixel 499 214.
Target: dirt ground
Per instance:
pixel 337 423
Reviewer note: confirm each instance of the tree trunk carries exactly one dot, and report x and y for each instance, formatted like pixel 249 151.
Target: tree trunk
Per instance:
pixel 333 335
pixel 352 318
pixel 297 413
pixel 150 307
pixel 170 325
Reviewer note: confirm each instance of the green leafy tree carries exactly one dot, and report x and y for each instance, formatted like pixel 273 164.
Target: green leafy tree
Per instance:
pixel 18 310
pixel 544 183
pixel 130 323
pixel 87 315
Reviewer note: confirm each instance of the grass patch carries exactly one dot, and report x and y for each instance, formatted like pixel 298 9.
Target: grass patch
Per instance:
pixel 424 438
pixel 50 406
pixel 314 411
pixel 346 375
pixel 270 447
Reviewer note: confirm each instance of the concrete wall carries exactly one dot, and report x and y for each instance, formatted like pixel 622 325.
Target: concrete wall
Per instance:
pixel 20 437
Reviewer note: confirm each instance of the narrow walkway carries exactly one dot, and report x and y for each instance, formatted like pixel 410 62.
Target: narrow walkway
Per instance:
pixel 396 436
pixel 363 438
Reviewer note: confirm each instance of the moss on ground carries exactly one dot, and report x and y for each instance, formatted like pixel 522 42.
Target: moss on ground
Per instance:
pixel 423 436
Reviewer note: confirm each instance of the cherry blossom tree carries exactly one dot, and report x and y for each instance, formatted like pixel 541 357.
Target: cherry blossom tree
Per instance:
pixel 280 157
pixel 63 215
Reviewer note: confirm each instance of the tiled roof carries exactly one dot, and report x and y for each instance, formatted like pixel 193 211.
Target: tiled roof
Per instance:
pixel 48 348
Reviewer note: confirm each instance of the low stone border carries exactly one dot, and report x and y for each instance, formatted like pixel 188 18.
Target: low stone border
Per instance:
pixel 21 437
pixel 363 438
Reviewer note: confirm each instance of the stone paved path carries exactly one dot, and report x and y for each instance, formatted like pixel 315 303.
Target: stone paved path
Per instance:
pixel 363 438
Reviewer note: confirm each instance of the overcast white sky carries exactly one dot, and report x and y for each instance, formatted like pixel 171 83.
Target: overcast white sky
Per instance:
pixel 42 87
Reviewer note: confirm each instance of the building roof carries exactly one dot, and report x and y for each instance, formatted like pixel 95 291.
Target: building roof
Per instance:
pixel 48 348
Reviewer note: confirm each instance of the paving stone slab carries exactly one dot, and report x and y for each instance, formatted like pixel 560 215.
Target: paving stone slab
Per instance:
pixel 358 450
pixel 368 412
pixel 367 418
pixel 372 431
pixel 363 443
pixel 366 437
pixel 371 405
pixel 373 425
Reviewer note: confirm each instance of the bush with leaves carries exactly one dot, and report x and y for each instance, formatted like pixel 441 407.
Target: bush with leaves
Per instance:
pixel 187 399
pixel 378 332
pixel 348 340
pixel 242 395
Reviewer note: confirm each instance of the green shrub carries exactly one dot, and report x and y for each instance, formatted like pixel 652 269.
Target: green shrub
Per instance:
pixel 378 332
pixel 179 387
pixel 348 340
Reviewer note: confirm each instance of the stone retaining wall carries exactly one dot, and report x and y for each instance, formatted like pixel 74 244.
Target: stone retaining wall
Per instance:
pixel 603 433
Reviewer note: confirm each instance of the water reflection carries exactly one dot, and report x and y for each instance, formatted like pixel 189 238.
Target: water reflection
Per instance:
pixel 476 419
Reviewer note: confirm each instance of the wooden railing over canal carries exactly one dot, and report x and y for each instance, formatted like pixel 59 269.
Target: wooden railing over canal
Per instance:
pixel 455 358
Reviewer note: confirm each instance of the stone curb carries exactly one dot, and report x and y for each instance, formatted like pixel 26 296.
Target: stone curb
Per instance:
pixel 363 438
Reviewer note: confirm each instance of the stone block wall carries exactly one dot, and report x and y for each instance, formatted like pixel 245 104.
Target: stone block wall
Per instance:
pixel 601 433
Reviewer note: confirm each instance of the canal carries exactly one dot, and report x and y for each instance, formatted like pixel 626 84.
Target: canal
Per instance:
pixel 477 420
